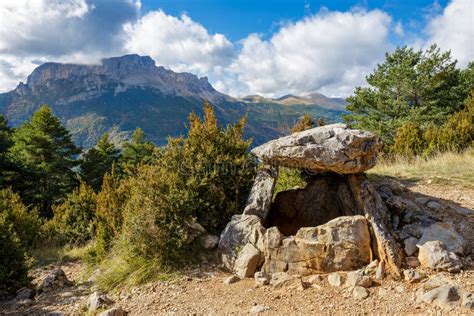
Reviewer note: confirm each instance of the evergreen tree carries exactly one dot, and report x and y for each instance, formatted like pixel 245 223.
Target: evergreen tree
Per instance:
pixel 304 123
pixel 98 161
pixel 6 166
pixel 417 86
pixel 137 151
pixel 45 154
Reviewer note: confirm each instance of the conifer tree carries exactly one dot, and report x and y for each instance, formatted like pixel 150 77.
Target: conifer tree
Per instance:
pixel 6 166
pixel 137 151
pixel 45 155
pixel 98 161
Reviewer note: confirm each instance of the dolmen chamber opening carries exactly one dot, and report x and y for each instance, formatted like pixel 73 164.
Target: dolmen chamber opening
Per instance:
pixel 337 222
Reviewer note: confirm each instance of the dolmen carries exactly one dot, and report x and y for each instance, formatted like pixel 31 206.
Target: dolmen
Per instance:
pixel 337 222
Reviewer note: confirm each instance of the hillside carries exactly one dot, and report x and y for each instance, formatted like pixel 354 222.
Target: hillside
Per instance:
pixel 130 91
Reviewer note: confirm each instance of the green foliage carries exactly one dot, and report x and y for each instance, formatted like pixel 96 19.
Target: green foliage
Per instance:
pixel 98 161
pixel 6 166
pixel 25 222
pixel 13 266
pixel 288 178
pixel 111 201
pixel 306 122
pixel 214 163
pixel 137 151
pixel 409 140
pixel 423 87
pixel 74 219
pixel 45 154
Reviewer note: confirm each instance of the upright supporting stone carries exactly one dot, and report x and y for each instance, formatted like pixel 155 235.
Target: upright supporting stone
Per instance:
pixel 260 198
pixel 376 213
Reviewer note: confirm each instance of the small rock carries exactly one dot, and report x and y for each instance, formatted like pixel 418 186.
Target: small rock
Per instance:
pixel 412 262
pixel 315 278
pixel 410 245
pixel 467 299
pixel 413 276
pixel 360 293
pixel 421 200
pixel 355 278
pixel 24 302
pixel 232 279
pixel 257 309
pixel 283 279
pixel 435 281
pixel 447 234
pixel 115 311
pixel 380 272
pixel 433 255
pixel 443 296
pixel 335 279
pixel 400 289
pixel 24 293
pixel 262 278
pixel 55 280
pixel 434 205
pixel 247 261
pixel 97 300
pixel 209 241
pixel 371 268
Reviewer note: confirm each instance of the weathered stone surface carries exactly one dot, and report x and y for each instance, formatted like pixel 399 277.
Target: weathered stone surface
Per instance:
pixel 410 245
pixel 413 276
pixel 341 244
pixel 467 299
pixel 24 293
pixel 434 255
pixel 247 261
pixel 380 272
pixel 55 280
pixel 241 229
pixel 262 278
pixel 356 278
pixel 333 148
pixel 446 233
pixel 324 198
pixel 257 309
pixel 360 293
pixel 97 300
pixel 282 279
pixel 260 198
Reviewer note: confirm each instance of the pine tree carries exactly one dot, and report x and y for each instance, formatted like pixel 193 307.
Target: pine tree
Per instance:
pixel 137 151
pixel 98 161
pixel 417 86
pixel 45 154
pixel 6 167
pixel 304 123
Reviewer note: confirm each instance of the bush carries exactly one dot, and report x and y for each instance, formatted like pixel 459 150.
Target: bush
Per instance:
pixel 74 219
pixel 13 267
pixel 409 140
pixel 25 222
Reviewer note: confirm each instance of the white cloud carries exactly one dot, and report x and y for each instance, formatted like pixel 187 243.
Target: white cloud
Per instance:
pixel 454 30
pixel 398 29
pixel 330 52
pixel 178 43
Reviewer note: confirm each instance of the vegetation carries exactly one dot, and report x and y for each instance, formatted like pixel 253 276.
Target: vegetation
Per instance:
pixel 409 94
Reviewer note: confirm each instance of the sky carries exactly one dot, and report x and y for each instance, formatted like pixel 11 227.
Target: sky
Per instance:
pixel 267 47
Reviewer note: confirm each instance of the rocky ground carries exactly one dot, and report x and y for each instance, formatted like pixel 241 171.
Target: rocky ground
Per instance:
pixel 211 291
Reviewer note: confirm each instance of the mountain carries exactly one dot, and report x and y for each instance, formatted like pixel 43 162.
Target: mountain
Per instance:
pixel 126 92
pixel 310 99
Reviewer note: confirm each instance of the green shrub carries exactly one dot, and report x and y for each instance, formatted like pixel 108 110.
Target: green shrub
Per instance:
pixel 13 267
pixel 288 178
pixel 74 218
pixel 26 222
pixel 409 140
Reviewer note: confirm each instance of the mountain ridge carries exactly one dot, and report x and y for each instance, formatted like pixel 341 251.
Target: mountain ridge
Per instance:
pixel 131 91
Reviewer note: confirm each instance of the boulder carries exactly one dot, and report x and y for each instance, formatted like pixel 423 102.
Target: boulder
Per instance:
pixel 260 198
pixel 194 229
pixel 333 148
pixel 247 261
pixel 97 300
pixel 410 245
pixel 241 229
pixel 434 255
pixel 335 279
pixel 341 244
pixel 446 233
pixel 356 278
pixel 232 279
pixel 56 279
pixel 24 293
pixel 282 279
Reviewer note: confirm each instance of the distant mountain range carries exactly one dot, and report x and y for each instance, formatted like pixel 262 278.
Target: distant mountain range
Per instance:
pixel 130 91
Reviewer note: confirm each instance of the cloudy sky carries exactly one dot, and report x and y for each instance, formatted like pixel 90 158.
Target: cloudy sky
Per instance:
pixel 269 47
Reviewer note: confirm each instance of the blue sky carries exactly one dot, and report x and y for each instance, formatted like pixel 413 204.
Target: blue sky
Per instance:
pixel 267 47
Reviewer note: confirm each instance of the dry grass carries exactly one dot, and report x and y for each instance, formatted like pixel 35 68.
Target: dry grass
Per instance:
pixel 446 168
pixel 46 255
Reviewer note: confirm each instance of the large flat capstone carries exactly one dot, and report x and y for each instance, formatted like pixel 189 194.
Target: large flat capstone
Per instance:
pixel 335 148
